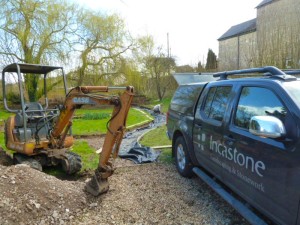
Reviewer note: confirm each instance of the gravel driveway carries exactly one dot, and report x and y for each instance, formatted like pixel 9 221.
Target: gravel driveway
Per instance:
pixel 139 194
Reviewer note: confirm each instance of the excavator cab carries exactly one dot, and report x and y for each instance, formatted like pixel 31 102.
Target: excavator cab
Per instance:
pixel 27 131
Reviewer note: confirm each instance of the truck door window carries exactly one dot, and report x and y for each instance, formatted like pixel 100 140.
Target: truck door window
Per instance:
pixel 185 97
pixel 256 101
pixel 216 102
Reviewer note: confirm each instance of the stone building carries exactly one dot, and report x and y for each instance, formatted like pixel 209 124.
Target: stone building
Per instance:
pixel 272 38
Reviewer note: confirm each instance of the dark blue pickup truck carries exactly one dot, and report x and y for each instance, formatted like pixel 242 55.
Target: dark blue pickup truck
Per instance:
pixel 245 133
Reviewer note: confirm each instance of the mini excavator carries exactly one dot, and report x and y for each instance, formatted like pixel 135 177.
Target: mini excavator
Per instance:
pixel 41 136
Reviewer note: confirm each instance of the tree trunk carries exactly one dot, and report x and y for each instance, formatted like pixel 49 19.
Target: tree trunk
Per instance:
pixel 31 82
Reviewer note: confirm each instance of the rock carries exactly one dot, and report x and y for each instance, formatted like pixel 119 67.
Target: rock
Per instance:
pixel 93 205
pixel 55 214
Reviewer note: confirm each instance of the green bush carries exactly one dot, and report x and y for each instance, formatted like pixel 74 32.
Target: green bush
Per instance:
pixel 13 98
pixel 95 116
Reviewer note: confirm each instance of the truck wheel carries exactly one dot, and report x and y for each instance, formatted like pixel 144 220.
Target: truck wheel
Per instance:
pixel 182 158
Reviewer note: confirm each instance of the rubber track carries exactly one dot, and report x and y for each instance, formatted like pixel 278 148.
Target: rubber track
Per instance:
pixel 75 163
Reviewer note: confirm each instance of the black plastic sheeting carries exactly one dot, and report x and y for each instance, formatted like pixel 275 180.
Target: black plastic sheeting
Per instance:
pixel 140 154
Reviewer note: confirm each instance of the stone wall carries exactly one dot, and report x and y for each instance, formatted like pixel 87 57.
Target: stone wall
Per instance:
pixel 238 52
pixel 278 34
pixel 276 41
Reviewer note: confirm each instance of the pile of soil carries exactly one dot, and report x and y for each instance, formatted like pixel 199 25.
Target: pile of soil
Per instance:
pixel 30 196
pixel 139 194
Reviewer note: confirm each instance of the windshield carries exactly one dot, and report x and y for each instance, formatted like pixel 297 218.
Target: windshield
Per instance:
pixel 293 90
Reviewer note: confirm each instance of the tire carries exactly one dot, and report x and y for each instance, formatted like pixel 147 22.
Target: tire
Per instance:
pixel 182 159
pixel 72 163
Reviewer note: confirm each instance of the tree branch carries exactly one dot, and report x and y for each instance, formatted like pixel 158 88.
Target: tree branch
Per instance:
pixel 12 54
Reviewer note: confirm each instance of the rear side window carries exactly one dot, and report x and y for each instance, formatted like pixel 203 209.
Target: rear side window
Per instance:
pixel 216 102
pixel 257 101
pixel 185 98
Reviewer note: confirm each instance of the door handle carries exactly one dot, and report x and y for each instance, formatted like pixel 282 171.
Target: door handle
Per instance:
pixel 198 126
pixel 229 140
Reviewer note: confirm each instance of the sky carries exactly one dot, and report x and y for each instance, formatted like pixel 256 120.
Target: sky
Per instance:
pixel 193 26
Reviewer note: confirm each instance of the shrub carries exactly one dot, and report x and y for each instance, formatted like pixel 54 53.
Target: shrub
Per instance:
pixel 95 116
pixel 13 98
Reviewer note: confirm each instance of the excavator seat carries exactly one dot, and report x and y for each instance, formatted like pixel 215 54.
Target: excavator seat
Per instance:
pixel 34 110
pixel 35 121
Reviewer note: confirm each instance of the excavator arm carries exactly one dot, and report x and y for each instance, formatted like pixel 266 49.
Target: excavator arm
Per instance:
pixel 116 126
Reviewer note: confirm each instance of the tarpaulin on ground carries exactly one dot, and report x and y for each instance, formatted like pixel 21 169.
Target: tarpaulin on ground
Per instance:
pixel 140 154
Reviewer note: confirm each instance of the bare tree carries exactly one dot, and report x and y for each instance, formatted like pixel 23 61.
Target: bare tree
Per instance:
pixel 159 67
pixel 35 31
pixel 102 40
pixel 154 65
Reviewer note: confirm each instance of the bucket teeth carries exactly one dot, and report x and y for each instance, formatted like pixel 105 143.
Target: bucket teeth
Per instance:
pixel 96 187
pixel 99 182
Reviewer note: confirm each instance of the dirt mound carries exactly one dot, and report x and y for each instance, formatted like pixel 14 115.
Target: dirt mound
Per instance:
pixel 32 197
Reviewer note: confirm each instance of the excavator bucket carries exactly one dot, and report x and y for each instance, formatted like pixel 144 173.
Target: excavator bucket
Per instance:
pixel 99 182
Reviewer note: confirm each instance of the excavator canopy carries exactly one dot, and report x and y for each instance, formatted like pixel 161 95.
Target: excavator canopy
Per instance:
pixel 29 68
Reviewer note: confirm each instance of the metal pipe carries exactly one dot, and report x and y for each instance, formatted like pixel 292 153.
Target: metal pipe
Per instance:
pixel 45 92
pixel 117 88
pixel 4 95
pixel 22 102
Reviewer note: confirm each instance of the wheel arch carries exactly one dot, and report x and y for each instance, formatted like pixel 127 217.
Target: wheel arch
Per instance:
pixel 189 143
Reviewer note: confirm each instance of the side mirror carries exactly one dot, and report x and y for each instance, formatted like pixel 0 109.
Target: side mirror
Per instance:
pixel 267 126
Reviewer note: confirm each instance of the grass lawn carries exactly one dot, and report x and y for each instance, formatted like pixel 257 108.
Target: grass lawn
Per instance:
pixel 2 142
pixel 158 137
pixel 3 116
pixel 88 155
pixel 98 126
